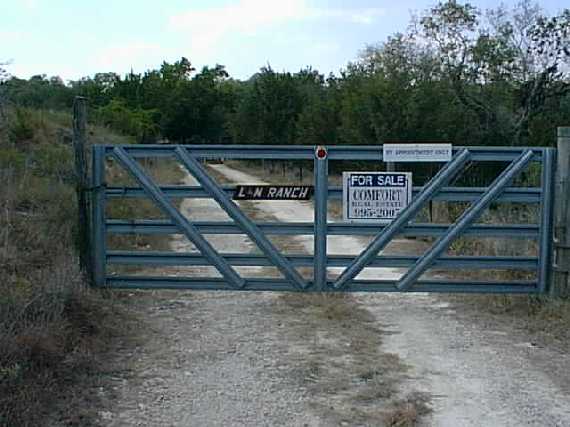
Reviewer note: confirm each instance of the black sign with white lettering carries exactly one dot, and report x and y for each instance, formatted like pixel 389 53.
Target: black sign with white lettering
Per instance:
pixel 273 192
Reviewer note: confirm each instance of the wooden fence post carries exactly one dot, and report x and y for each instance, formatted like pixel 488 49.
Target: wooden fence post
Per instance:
pixel 561 282
pixel 82 186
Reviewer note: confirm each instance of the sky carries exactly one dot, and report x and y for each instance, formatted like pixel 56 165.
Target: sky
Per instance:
pixel 74 38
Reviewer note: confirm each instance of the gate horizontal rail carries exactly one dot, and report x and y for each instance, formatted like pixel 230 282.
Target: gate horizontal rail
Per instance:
pixel 535 269
pixel 236 259
pixel 254 284
pixel 456 194
pixel 523 231
pixel 283 152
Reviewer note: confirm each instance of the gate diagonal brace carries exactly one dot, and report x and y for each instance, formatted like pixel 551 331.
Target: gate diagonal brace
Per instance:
pixel 183 224
pixel 396 226
pixel 243 222
pixel 466 219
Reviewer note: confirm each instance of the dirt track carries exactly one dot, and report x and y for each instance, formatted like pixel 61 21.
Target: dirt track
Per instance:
pixel 264 359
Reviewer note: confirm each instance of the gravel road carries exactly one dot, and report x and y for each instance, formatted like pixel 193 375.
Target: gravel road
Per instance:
pixel 246 359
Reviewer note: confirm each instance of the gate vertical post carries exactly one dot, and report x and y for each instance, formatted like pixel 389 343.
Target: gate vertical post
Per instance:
pixel 546 211
pixel 321 197
pixel 99 251
pixel 561 283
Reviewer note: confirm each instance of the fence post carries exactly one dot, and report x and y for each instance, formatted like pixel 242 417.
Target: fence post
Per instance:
pixel 561 282
pixel 81 185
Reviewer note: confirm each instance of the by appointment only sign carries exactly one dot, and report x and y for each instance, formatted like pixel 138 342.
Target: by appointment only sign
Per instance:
pixel 417 152
pixel 375 196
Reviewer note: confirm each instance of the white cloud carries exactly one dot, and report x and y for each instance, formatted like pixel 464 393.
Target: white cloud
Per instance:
pixel 357 16
pixel 367 16
pixel 30 5
pixel 7 37
pixel 326 47
pixel 122 57
pixel 244 16
pixel 208 26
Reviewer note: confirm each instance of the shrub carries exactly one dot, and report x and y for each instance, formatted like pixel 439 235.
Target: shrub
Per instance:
pixel 22 126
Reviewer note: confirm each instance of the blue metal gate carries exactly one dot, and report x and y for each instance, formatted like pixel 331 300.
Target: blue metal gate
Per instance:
pixel 439 188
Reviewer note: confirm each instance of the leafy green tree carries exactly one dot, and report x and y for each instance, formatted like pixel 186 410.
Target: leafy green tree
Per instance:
pixel 3 93
pixel 269 110
pixel 137 122
pixel 39 91
pixel 97 90
pixel 195 113
pixel 318 121
pixel 504 70
pixel 3 71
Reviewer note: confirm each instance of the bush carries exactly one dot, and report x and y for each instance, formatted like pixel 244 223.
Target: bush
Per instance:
pixel 22 127
pixel 11 158
pixel 138 122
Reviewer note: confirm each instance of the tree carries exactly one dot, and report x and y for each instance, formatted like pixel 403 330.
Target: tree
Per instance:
pixel 3 96
pixel 269 110
pixel 3 72
pixel 137 122
pixel 194 112
pixel 515 56
pixel 39 91
pixel 318 121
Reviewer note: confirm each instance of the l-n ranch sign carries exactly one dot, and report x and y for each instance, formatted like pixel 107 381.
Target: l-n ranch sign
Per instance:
pixel 273 192
pixel 375 196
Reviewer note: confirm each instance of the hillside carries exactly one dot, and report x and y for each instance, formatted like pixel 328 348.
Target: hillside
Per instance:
pixel 54 331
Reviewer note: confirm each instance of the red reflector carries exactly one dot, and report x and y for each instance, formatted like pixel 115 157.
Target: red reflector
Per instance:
pixel 321 153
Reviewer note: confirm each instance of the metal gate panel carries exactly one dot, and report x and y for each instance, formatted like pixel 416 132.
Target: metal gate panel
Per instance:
pixel 466 219
pixel 438 189
pixel 245 224
pixel 383 238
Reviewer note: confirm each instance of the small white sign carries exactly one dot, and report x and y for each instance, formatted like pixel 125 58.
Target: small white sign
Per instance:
pixel 375 196
pixel 417 152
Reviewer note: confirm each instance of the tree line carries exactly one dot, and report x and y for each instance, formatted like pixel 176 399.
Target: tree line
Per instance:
pixel 474 77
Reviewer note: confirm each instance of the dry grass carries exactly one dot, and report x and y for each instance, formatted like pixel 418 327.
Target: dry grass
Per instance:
pixel 548 318
pixel 407 412
pixel 54 331
pixel 164 171
pixel 350 379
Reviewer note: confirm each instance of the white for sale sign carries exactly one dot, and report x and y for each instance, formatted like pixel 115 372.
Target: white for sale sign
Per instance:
pixel 375 196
